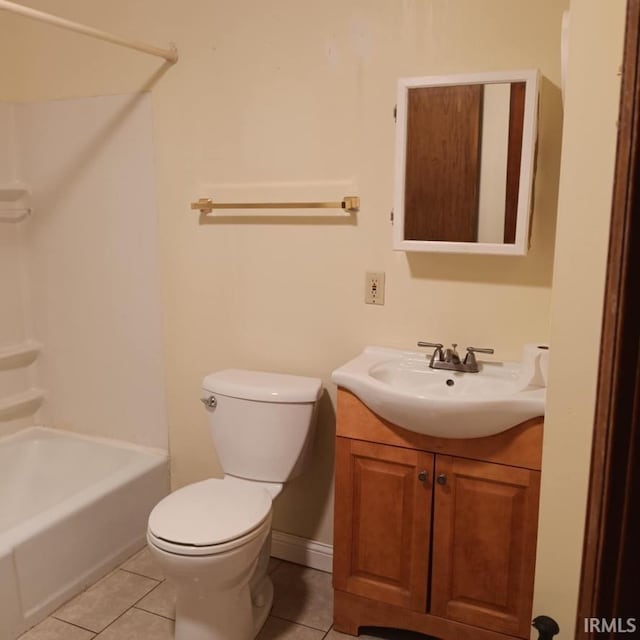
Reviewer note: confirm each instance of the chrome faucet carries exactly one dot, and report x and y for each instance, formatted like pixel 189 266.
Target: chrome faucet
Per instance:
pixel 449 359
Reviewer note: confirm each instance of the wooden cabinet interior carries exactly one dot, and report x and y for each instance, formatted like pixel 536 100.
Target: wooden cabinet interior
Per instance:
pixel 443 163
pixel 434 535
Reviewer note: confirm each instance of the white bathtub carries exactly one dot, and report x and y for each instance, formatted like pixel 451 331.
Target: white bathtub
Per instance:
pixel 71 509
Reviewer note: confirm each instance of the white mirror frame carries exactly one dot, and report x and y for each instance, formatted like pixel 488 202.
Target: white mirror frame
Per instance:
pixel 527 164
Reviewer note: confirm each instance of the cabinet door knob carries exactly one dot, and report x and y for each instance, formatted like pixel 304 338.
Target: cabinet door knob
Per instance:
pixel 442 478
pixel 422 476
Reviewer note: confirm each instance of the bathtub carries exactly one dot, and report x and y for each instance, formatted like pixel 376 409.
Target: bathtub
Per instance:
pixel 71 509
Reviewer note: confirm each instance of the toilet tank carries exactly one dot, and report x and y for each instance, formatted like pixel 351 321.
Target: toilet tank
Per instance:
pixel 262 423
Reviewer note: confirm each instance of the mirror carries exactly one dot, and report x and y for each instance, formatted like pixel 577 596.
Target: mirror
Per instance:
pixel 465 148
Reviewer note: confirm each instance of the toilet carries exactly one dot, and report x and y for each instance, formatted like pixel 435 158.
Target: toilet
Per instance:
pixel 212 539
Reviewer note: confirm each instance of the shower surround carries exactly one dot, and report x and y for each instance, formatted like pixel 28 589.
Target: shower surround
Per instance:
pixel 80 347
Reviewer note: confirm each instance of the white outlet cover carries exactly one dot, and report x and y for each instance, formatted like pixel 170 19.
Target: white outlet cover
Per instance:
pixel 374 287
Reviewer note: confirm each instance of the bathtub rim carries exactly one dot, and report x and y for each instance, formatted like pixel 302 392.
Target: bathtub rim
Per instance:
pixel 150 458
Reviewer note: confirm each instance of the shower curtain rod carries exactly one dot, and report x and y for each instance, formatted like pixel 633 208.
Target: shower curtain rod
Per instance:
pixel 170 55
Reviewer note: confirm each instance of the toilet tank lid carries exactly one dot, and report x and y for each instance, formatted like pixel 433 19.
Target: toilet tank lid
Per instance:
pixel 263 386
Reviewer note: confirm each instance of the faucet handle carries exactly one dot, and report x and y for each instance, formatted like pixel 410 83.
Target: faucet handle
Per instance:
pixel 479 350
pixel 470 358
pixel 437 351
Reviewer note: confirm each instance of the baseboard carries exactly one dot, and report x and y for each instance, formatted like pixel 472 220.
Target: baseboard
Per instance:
pixel 309 553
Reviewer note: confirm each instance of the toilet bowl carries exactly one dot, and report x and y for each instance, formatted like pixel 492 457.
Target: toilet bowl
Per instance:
pixel 208 538
pixel 212 539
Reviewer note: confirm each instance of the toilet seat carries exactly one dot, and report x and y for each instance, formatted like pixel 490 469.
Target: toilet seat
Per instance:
pixel 209 517
pixel 175 548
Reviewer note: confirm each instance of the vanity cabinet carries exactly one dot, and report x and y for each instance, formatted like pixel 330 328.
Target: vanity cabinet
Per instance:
pixel 434 535
pixel 384 512
pixel 484 533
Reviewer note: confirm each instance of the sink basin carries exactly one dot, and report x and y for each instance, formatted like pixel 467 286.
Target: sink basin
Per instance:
pixel 400 387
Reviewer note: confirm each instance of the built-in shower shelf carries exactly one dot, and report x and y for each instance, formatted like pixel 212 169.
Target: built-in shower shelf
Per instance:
pixel 17 214
pixel 13 202
pixel 21 404
pixel 12 192
pixel 19 355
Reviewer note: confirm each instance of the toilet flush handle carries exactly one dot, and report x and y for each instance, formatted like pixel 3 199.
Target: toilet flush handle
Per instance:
pixel 210 402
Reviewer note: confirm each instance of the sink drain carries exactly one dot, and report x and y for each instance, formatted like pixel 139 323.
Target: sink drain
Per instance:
pixel 450 382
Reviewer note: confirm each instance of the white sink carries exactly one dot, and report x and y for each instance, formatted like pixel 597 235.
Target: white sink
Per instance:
pixel 400 387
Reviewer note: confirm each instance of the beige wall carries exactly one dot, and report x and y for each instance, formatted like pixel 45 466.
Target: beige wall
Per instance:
pixel 578 285
pixel 289 91
pixel 304 91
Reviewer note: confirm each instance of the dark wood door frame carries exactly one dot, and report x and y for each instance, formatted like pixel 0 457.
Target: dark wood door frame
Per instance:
pixel 611 560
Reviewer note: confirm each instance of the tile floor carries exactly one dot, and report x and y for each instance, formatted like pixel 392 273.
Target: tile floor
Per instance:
pixel 134 602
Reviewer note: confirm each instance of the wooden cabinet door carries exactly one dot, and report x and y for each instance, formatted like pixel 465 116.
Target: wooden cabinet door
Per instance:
pixel 484 542
pixel 382 522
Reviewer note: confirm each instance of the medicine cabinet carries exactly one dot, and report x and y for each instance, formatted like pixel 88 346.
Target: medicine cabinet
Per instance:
pixel 464 165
